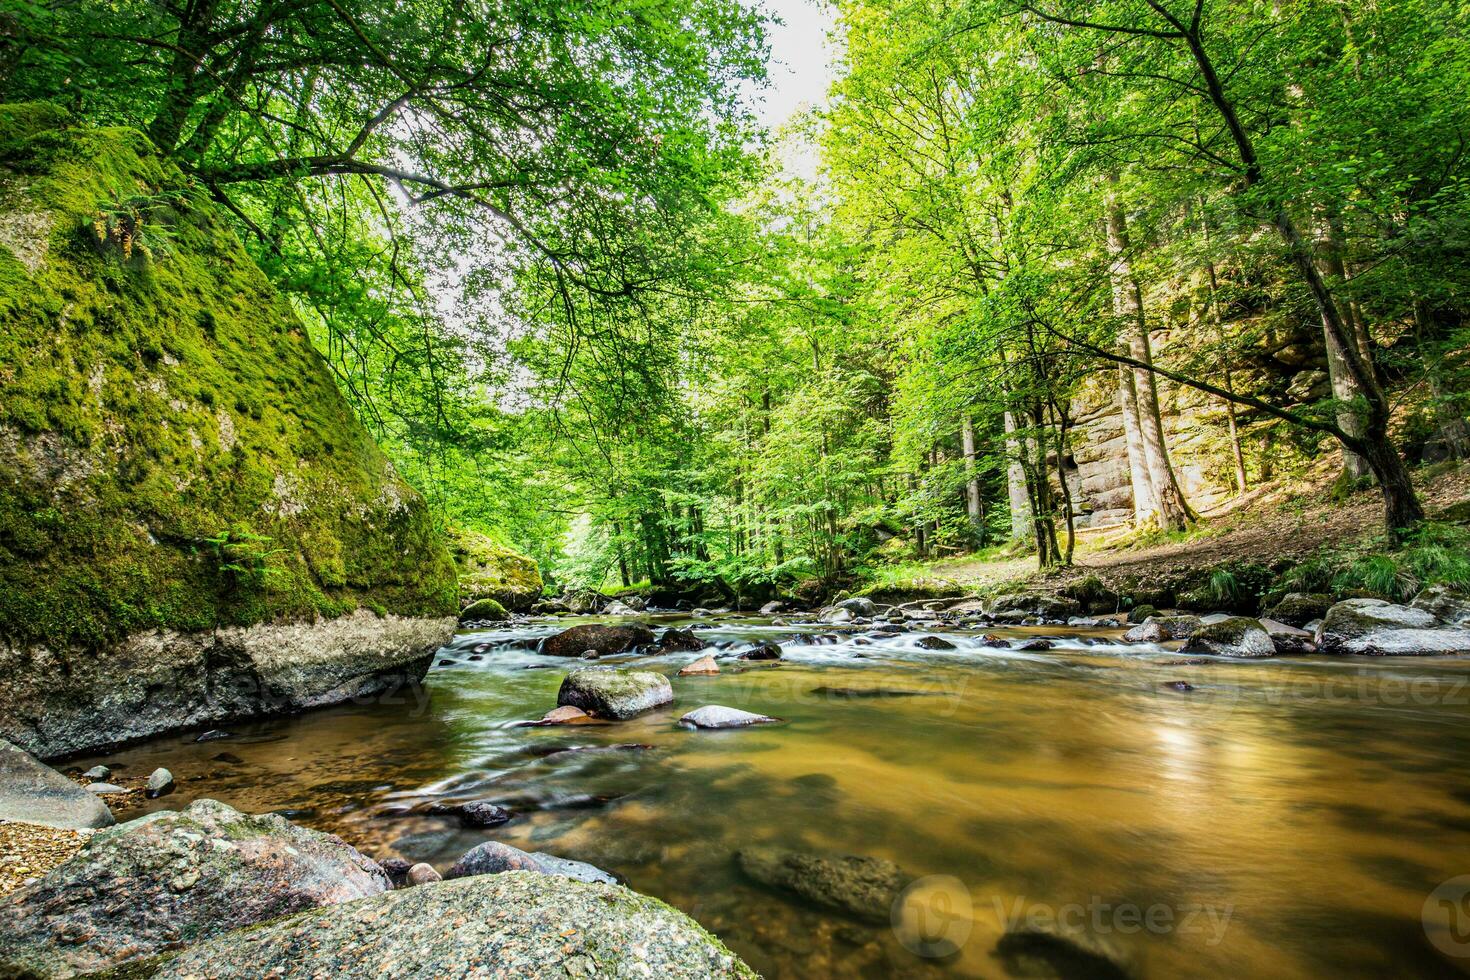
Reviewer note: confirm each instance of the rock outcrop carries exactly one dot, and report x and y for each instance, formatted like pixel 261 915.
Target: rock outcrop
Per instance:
pixel 1380 628
pixel 33 792
pixel 517 924
pixel 490 570
pixel 193 524
pixel 1234 636
pixel 171 879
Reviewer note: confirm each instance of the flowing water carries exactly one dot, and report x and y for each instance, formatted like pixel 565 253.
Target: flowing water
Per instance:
pixel 1282 818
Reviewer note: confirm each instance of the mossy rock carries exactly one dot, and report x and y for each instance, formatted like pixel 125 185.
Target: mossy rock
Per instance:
pixel 483 609
pixel 174 454
pixel 490 570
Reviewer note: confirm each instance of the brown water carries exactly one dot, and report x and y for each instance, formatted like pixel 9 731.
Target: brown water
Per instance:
pixel 1286 818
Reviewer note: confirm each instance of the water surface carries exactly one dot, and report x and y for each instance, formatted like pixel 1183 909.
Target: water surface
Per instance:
pixel 1285 818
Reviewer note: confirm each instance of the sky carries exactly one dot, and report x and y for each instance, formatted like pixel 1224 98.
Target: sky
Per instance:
pixel 802 59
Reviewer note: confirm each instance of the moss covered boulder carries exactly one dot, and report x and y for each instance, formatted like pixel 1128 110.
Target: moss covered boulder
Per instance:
pixel 193 525
pixel 490 570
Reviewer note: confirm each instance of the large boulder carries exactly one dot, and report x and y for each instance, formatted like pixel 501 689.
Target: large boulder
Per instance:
pixel 1300 608
pixel 864 887
pixel 493 858
pixel 1379 628
pixel 1448 605
pixel 513 925
pixel 33 792
pixel 489 570
pixel 180 479
pixel 618 694
pixel 1234 636
pixel 597 637
pixel 1033 605
pixel 175 878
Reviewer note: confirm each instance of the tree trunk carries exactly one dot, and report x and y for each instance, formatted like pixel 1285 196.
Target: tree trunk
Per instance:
pixel 1344 391
pixel 1144 503
pixel 974 507
pixel 1021 526
pixel 1172 511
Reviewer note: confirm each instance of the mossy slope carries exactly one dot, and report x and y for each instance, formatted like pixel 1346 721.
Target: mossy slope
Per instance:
pixel 173 452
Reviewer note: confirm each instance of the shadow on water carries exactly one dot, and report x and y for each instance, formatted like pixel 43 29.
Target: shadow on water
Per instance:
pixel 1167 817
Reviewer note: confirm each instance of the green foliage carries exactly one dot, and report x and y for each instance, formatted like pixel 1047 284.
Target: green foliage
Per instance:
pixel 147 406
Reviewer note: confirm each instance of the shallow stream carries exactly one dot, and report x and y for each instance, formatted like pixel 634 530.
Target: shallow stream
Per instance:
pixel 1282 818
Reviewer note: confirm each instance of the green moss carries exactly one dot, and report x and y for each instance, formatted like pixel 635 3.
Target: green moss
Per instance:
pixel 490 570
pixel 151 403
pixel 483 609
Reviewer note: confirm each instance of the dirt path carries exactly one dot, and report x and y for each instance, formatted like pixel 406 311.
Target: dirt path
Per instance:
pixel 1267 524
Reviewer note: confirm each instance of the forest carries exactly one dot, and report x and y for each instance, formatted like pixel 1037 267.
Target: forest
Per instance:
pixel 570 287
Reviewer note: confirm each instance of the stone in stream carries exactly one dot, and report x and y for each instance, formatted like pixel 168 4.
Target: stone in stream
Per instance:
pixel 33 792
pixel 170 879
pixel 1378 628
pixel 1234 636
pixel 160 783
pixel 604 640
pixel 1182 686
pixel 213 735
pixel 512 925
pixel 483 611
pixel 229 757
pixel 617 694
pixel 1300 608
pixel 1022 605
pixel 564 715
pixel 396 869
pixel 934 643
pixel 719 716
pixel 97 774
pixel 1160 629
pixel 680 640
pixel 859 606
pixel 1048 947
pixel 104 789
pixel 866 692
pixel 863 887
pixel 1036 643
pixel 475 813
pixel 705 665
pixel 764 650
pixel 422 874
pixel 994 642
pixel 1288 639
pixel 493 858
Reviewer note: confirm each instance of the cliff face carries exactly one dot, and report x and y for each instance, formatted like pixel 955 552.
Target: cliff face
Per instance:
pixel 179 476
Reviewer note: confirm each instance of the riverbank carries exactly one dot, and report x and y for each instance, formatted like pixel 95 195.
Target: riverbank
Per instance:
pixel 1282 525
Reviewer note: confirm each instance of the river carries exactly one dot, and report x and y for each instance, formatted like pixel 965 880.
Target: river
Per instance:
pixel 1285 818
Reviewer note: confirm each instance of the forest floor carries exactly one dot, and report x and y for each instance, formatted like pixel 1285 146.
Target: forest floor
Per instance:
pixel 1279 521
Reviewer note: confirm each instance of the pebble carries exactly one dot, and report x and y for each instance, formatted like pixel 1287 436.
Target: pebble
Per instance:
pixel 160 783
pixel 28 851
pixel 422 874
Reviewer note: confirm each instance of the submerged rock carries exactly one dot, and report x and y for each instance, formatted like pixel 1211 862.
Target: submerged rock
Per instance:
pixel 1236 636
pixel 719 716
pixel 1378 628
pixel 1050 949
pixel 33 792
pixel 565 715
pixel 493 858
pixel 475 813
pixel 618 694
pixel 171 879
pixel 864 887
pixel 513 925
pixel 603 640
pixel 705 665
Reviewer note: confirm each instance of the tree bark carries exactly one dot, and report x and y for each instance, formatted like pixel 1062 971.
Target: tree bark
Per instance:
pixel 974 506
pixel 1144 504
pixel 1021 526
pixel 1172 511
